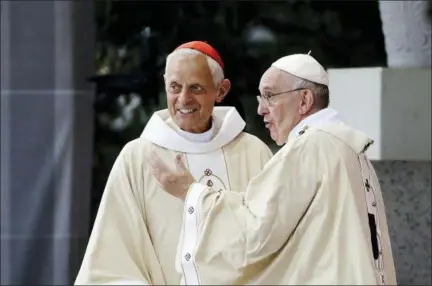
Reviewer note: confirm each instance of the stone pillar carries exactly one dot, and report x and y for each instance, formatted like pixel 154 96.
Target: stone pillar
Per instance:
pixel 406 187
pixel 46 139
pixel 406 184
pixel 407 33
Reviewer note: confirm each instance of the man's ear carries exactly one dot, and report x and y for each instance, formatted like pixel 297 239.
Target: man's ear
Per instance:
pixel 307 101
pixel 224 88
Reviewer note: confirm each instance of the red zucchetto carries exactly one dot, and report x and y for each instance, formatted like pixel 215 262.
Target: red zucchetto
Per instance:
pixel 204 48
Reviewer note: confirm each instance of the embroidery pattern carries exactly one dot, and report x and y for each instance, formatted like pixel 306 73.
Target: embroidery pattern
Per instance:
pixel 209 173
pixel 373 216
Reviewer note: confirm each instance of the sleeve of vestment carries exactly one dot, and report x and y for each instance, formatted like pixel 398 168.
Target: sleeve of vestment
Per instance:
pixel 119 244
pixel 243 228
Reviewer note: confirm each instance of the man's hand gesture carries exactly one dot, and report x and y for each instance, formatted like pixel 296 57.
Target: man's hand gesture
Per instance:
pixel 175 182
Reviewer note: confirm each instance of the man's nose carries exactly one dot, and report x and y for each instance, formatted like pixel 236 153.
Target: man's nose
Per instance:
pixel 184 97
pixel 262 108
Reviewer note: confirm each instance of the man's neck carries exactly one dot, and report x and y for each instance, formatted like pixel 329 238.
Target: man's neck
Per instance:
pixel 205 136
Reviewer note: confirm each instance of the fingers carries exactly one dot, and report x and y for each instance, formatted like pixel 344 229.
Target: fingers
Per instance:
pixel 163 174
pixel 158 168
pixel 154 165
pixel 157 163
pixel 180 166
pixel 154 159
pixel 159 173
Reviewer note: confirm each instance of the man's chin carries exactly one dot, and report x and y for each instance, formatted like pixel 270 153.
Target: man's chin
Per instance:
pixel 275 139
pixel 191 126
pixel 188 127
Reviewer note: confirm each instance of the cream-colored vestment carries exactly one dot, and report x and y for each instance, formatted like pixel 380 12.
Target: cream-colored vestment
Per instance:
pixel 314 216
pixel 137 229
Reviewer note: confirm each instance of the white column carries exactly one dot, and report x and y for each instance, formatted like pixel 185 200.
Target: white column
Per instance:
pixel 407 33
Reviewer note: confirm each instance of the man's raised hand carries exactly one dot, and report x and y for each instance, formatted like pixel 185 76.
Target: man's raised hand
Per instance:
pixel 175 182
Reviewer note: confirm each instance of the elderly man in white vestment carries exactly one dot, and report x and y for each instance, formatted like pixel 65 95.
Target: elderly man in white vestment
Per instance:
pixel 136 232
pixel 315 214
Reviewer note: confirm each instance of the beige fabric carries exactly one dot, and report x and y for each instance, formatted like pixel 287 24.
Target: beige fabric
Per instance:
pixel 136 232
pixel 323 116
pixel 302 221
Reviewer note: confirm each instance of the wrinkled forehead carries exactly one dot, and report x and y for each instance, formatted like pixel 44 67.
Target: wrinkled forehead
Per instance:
pixel 274 79
pixel 188 68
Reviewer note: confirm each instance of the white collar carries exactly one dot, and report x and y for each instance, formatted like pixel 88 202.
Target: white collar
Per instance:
pixel 322 116
pixel 162 131
pixel 198 137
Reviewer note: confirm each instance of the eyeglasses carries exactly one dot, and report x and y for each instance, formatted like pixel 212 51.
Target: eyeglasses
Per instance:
pixel 268 99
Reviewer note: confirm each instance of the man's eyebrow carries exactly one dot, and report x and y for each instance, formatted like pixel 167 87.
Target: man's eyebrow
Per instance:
pixel 266 88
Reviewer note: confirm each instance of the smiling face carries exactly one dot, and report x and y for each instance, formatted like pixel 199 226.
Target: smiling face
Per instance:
pixel 191 91
pixel 285 111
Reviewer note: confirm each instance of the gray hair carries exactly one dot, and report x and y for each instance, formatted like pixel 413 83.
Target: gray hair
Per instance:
pixel 215 69
pixel 320 91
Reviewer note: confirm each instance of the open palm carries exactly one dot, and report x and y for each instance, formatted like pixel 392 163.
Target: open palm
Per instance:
pixel 175 182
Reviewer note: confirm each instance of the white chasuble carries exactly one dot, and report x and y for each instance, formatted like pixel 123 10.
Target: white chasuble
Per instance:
pixel 136 233
pixel 313 216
